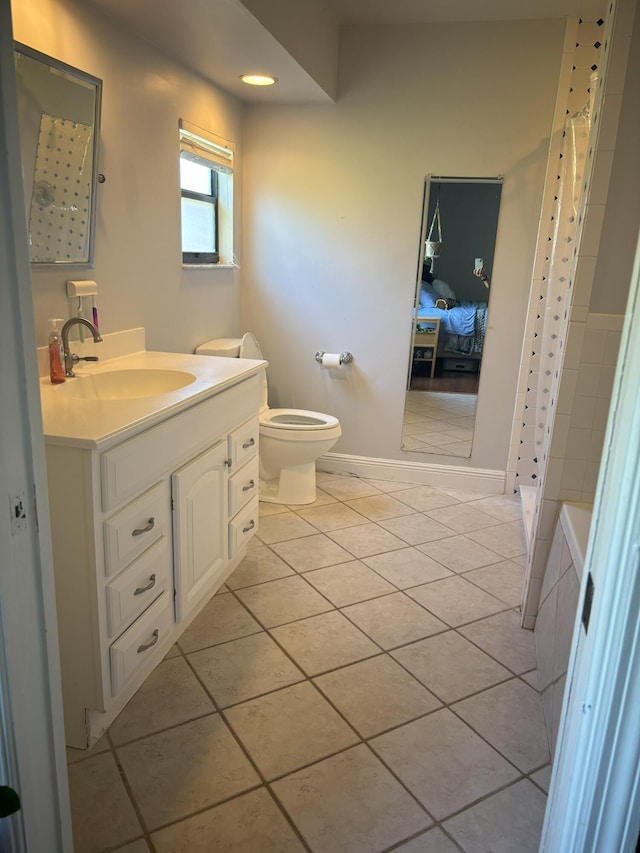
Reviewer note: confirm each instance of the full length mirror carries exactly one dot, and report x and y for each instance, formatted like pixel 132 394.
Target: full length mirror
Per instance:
pixel 458 235
pixel 58 113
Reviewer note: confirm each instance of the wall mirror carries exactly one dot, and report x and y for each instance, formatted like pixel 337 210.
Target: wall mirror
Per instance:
pixel 448 326
pixel 59 115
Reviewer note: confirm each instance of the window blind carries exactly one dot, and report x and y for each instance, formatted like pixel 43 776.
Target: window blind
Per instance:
pixel 201 146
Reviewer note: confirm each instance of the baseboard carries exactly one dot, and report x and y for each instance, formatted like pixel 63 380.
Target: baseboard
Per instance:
pixel 420 473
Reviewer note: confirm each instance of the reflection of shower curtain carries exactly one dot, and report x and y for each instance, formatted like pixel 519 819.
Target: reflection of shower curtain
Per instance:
pixel 60 202
pixel 561 259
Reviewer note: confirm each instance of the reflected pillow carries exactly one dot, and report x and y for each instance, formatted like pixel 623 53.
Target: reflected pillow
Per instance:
pixel 428 296
pixel 441 288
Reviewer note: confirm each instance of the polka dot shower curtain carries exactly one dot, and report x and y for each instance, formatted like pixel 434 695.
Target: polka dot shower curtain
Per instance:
pixel 561 265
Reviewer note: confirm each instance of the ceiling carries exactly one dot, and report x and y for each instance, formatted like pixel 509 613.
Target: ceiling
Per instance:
pixel 220 39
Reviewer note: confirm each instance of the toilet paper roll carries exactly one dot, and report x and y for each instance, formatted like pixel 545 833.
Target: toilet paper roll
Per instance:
pixel 332 359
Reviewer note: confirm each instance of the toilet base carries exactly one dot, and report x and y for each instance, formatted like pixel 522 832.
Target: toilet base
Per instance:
pixel 295 485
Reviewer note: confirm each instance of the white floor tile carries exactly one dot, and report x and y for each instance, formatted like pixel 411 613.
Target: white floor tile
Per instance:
pixel 328 663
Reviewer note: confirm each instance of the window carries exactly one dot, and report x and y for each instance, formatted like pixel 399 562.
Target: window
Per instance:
pixel 199 186
pixel 206 186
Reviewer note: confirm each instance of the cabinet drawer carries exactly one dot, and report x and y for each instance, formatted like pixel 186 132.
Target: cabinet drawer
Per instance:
pixel 138 643
pixel 243 526
pixel 132 530
pixel 425 339
pixel 243 486
pixel 133 590
pixel 243 443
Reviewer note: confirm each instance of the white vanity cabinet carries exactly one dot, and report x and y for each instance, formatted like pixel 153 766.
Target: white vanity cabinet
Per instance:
pixel 200 523
pixel 144 531
pixel 204 541
pixel 243 485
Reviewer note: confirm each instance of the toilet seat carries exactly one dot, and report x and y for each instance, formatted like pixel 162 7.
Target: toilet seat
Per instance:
pixel 291 440
pixel 297 419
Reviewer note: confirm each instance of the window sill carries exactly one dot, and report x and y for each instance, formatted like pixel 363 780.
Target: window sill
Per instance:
pixel 210 266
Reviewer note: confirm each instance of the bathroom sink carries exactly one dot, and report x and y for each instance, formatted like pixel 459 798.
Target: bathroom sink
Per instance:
pixel 126 384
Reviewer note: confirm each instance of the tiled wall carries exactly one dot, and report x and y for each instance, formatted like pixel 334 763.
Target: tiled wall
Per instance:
pixel 582 411
pixel 556 619
pixel 578 418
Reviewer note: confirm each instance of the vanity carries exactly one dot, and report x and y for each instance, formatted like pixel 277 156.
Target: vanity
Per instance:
pixel 153 493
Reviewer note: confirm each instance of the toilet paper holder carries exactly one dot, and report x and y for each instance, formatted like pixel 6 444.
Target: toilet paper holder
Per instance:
pixel 345 357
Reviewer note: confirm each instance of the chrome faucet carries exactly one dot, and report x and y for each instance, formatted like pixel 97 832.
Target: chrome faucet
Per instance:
pixel 69 358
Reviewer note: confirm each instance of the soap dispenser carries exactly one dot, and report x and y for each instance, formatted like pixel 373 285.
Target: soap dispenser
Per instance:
pixel 56 355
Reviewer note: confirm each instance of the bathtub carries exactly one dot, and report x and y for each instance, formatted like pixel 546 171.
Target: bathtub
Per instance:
pixel 558 610
pixel 575 520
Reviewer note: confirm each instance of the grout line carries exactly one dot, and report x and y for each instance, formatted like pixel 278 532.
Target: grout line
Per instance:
pixel 364 740
pixel 400 844
pixel 128 789
pixel 310 678
pixel 487 741
pixel 247 755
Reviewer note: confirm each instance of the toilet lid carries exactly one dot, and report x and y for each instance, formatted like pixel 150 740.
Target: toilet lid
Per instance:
pixel 250 348
pixel 299 419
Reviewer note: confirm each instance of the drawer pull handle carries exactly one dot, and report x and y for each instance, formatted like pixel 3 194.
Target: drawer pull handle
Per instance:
pixel 248 444
pixel 249 527
pixel 140 530
pixel 145 646
pixel 250 485
pixel 150 585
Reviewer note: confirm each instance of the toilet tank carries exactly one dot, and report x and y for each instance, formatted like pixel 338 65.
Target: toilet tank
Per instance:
pixel 248 346
pixel 225 347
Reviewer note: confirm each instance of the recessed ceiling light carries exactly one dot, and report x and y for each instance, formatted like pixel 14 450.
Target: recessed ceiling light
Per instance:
pixel 258 79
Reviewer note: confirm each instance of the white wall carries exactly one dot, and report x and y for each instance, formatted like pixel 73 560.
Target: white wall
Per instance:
pixel 620 226
pixel 332 203
pixel 308 30
pixel 333 199
pixel 138 256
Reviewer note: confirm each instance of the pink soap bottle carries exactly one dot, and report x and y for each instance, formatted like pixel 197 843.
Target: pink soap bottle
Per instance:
pixel 56 356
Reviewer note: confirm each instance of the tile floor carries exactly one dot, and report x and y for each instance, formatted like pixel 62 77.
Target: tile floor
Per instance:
pixel 439 423
pixel 360 684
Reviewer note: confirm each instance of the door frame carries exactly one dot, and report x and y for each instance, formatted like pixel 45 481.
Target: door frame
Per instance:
pixel 32 752
pixel 594 798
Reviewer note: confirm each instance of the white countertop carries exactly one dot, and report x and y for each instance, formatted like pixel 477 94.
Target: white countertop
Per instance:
pixel 76 422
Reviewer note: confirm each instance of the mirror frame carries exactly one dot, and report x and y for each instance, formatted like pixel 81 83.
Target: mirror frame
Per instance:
pixel 86 80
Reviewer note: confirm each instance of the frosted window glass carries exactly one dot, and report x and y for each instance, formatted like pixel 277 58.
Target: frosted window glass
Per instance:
pixel 195 177
pixel 198 226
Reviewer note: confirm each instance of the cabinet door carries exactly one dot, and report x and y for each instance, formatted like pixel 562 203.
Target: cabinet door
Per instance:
pixel 200 547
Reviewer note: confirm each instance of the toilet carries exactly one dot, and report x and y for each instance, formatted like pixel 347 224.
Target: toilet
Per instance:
pixel 290 439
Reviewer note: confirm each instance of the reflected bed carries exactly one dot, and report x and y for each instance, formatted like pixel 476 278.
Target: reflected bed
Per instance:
pixel 462 328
